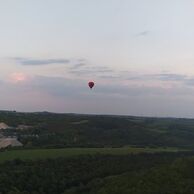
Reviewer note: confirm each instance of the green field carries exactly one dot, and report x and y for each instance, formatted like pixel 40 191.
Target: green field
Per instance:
pixel 71 152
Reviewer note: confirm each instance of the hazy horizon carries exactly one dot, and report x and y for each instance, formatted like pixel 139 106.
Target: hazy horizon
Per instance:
pixel 139 54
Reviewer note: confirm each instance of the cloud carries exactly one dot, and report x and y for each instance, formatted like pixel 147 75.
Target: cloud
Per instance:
pixel 81 67
pixel 29 61
pixel 78 65
pixel 78 89
pixel 90 70
pixel 104 72
pixel 160 77
pixel 64 94
pixel 143 33
pixel 59 86
pixel 184 79
pixel 169 77
pixel 110 76
pixel 189 82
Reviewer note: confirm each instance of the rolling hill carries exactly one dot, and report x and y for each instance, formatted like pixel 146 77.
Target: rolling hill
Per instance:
pixel 75 130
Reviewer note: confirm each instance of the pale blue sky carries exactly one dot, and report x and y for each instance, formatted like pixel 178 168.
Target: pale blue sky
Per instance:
pixel 140 53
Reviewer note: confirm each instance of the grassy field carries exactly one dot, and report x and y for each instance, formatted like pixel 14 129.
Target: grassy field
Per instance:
pixel 71 152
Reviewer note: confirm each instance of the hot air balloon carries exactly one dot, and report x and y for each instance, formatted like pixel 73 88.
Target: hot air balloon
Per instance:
pixel 91 84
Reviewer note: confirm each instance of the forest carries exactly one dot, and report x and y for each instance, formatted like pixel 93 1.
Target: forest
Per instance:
pixel 164 173
pixel 97 154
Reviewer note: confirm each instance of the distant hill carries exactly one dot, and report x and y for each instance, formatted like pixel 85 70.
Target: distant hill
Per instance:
pixel 76 130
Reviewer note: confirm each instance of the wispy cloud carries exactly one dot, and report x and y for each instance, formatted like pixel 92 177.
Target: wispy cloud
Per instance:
pixel 81 67
pixel 91 70
pixel 29 61
pixel 170 77
pixel 110 76
pixel 143 33
pixel 180 79
pixel 73 66
pixel 78 65
pixel 159 76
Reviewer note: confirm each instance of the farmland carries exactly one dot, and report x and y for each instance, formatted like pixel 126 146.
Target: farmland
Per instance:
pixel 36 154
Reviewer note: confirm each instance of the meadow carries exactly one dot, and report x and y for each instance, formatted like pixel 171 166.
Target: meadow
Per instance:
pixel 35 154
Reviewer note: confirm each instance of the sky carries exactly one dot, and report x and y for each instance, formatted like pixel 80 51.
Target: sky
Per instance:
pixel 140 54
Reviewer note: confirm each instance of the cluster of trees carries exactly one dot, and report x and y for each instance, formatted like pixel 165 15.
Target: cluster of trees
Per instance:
pixel 100 174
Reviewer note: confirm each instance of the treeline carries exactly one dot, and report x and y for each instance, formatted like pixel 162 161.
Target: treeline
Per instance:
pixel 69 130
pixel 100 174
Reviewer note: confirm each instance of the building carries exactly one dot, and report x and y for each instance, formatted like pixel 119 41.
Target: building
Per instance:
pixel 9 142
pixel 4 126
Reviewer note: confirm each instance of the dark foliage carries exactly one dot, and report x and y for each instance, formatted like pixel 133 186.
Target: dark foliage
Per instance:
pixel 146 173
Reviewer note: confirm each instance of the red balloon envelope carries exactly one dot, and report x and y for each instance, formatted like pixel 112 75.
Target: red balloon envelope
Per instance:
pixel 91 85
